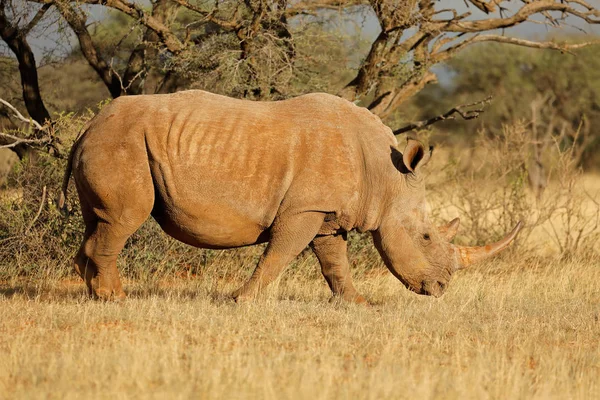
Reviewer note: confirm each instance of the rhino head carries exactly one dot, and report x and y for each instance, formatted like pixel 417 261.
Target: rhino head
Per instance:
pixel 415 251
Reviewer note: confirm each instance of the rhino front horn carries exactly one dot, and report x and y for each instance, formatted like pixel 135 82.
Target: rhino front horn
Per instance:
pixel 470 255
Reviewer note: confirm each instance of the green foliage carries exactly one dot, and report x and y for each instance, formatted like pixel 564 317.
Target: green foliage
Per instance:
pixel 519 77
pixel 116 36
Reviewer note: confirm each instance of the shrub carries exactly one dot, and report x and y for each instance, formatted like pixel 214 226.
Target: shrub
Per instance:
pixel 488 186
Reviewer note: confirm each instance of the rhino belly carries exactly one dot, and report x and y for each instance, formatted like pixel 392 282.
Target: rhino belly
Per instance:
pixel 213 226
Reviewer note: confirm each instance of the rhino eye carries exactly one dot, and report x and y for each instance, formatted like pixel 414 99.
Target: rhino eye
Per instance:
pixel 426 236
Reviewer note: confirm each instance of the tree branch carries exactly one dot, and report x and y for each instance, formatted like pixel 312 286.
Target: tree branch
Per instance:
pixel 592 16
pixel 139 65
pixel 20 116
pixel 484 6
pixel 234 24
pixel 77 21
pixel 385 106
pixel 449 115
pixel 430 41
pixel 312 7
pixel 562 47
pixel 16 141
pixel 134 10
pixel 45 139
pixel 36 18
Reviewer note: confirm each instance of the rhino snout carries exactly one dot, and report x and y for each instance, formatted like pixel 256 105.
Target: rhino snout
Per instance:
pixel 433 288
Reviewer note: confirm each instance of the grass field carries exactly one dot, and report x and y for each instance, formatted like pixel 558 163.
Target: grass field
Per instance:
pixel 531 331
pixel 523 325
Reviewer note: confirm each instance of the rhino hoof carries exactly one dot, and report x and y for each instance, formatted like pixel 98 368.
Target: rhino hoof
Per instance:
pixel 356 299
pixel 109 295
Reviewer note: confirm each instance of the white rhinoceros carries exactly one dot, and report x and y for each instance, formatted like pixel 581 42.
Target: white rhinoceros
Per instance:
pixel 217 172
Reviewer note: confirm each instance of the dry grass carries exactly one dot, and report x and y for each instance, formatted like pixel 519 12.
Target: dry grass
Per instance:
pixel 499 332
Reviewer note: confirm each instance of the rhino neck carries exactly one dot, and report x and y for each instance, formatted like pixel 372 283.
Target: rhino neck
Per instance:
pixel 395 199
pixel 381 183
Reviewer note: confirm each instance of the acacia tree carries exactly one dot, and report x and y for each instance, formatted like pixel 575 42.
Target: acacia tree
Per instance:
pixel 256 42
pixel 417 35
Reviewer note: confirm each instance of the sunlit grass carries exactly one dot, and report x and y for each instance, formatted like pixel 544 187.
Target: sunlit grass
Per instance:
pixel 503 330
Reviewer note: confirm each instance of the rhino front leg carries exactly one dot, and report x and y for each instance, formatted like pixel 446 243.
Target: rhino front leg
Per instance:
pixel 332 252
pixel 290 235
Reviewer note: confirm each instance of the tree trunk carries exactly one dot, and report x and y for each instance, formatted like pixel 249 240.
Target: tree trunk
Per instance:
pixel 17 42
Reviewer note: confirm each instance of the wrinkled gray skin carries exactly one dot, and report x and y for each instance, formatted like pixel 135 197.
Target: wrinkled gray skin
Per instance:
pixel 217 172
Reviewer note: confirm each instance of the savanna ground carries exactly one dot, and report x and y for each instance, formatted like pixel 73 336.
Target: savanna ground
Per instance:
pixel 501 331
pixel 523 325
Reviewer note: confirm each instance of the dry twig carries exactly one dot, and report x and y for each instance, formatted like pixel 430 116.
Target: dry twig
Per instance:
pixel 44 139
pixel 20 116
pixel 37 215
pixel 449 115
pixel 18 140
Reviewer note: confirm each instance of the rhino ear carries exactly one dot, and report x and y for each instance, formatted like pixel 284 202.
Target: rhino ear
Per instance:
pixel 415 154
pixel 413 157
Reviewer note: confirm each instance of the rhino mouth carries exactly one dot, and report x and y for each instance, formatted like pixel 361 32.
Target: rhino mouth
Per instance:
pixel 426 288
pixel 433 288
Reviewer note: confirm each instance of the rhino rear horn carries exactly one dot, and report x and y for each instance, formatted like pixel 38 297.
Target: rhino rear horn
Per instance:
pixel 449 230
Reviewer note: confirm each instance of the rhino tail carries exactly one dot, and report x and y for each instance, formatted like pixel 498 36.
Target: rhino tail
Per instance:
pixel 61 201
pixel 62 196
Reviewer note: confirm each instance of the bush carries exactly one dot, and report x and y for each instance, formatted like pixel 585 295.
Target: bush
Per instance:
pixel 488 186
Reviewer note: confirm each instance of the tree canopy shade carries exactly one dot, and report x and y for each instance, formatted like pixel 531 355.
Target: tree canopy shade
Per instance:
pixel 272 49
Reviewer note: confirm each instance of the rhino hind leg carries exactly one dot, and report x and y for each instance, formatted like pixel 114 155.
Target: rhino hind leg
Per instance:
pixel 332 253
pixel 96 261
pixel 109 220
pixel 289 236
pixel 86 269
